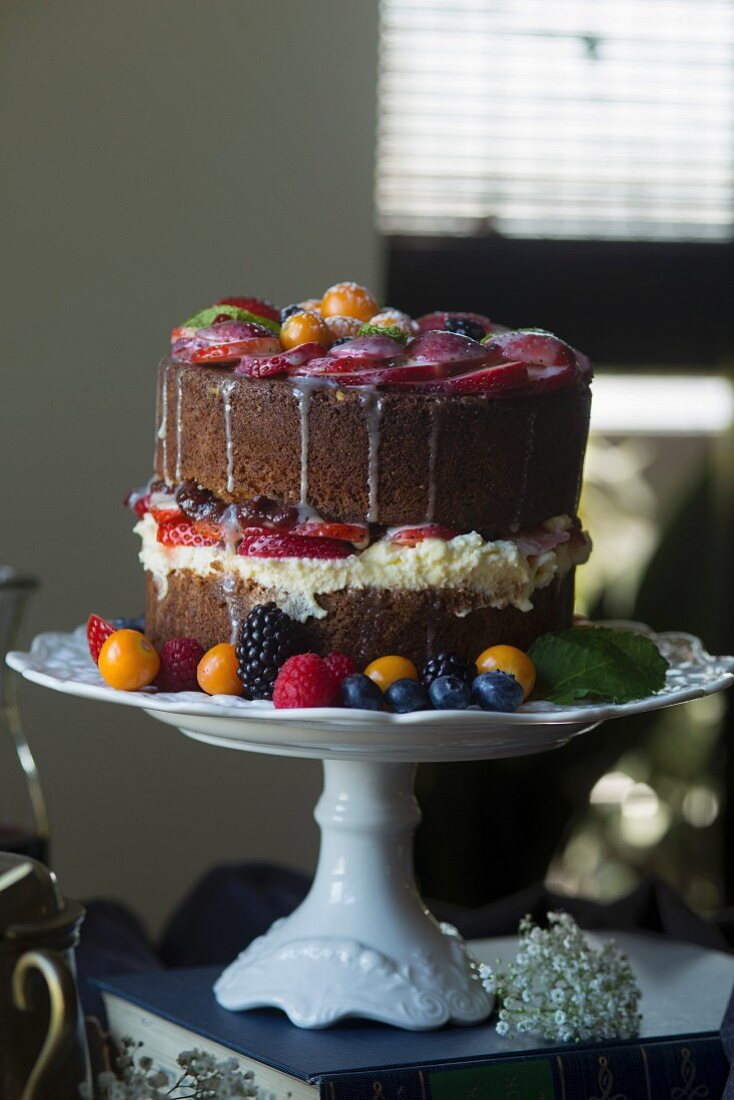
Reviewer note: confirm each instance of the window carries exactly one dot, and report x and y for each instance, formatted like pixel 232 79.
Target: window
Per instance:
pixel 571 119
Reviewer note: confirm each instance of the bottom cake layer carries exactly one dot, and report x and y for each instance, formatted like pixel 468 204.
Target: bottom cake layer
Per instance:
pixel 365 623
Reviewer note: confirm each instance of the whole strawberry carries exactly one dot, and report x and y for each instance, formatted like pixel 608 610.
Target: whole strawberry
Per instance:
pixel 305 681
pixel 179 659
pixel 340 666
pixel 98 631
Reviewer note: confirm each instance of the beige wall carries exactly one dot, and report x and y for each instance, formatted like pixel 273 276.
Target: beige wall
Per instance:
pixel 157 153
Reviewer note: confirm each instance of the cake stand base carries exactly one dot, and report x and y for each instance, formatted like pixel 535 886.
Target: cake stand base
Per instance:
pixel 362 943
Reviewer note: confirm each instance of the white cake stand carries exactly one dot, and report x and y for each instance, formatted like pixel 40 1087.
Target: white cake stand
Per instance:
pixel 363 943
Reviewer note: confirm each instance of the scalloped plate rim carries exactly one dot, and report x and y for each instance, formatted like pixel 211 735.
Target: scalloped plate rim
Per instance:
pixel 32 666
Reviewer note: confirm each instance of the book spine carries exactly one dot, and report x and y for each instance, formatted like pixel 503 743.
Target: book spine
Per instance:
pixel 681 1070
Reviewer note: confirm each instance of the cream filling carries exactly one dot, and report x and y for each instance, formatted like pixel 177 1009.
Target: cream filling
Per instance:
pixel 493 574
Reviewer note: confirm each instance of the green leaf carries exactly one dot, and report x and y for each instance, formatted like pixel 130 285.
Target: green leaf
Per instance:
pixel 206 317
pixel 597 663
pixel 392 331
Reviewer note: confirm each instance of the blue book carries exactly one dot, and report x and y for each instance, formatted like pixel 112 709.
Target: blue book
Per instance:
pixel 685 991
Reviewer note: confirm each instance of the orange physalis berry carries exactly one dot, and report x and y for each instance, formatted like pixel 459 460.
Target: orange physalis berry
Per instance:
pixel 216 672
pixel 128 661
pixel 349 300
pixel 304 328
pixel 386 670
pixel 506 658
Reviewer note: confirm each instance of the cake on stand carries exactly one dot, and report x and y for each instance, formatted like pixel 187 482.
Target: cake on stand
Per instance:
pixel 362 943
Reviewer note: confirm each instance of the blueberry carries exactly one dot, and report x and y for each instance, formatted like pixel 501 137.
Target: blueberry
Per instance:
pixel 498 691
pixel 404 696
pixel 288 311
pixel 449 693
pixel 129 624
pixel 361 693
pixel 466 327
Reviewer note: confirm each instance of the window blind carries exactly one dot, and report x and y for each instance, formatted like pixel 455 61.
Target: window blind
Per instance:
pixel 557 118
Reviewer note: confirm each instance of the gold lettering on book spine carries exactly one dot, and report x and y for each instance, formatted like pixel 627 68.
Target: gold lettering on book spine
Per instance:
pixel 689 1090
pixel 605 1081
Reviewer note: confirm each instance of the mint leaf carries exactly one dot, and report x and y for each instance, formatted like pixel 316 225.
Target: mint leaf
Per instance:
pixel 392 331
pixel 206 317
pixel 597 663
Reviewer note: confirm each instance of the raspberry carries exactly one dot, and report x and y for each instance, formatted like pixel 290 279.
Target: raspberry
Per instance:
pixel 305 681
pixel 179 659
pixel 340 666
pixel 98 631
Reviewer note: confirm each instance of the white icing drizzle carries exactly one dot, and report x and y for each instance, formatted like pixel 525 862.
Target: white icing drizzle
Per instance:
pixel 435 411
pixel 303 395
pixel 226 392
pixel 373 403
pixel 179 422
pixel 229 584
pixel 514 526
pixel 163 426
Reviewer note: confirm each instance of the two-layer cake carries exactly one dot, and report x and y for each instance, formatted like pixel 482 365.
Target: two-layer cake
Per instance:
pixel 397 486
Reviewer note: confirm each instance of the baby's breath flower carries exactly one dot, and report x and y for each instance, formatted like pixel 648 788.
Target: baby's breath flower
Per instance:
pixel 562 988
pixel 202 1077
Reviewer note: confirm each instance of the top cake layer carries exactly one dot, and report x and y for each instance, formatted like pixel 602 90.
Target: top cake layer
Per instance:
pixel 360 454
pixel 369 416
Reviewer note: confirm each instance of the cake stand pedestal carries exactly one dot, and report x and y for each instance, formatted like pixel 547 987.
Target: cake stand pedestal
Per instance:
pixel 363 943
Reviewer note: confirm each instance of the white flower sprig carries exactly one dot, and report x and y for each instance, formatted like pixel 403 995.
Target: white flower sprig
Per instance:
pixel 202 1077
pixel 562 988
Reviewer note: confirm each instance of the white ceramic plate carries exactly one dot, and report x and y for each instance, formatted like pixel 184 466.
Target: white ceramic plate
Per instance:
pixel 62 662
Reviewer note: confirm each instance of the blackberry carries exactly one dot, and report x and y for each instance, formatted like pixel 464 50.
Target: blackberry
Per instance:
pixel 341 340
pixel 465 327
pixel 447 664
pixel 288 311
pixel 267 638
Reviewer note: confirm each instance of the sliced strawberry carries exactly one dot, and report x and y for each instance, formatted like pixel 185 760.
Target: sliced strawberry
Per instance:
pixel 544 379
pixel 219 532
pixel 223 332
pixel 98 631
pixel 369 347
pixel 324 366
pixel 138 502
pixel 182 332
pixel 261 307
pixel 411 536
pixel 356 533
pixel 397 375
pixel 184 533
pixel 275 545
pixel 533 346
pixel 268 366
pixel 539 539
pixel 493 379
pixel 163 507
pixel 230 352
pixel 447 347
pixel 167 515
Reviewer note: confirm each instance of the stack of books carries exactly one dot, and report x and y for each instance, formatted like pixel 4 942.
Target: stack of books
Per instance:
pixel 678 1054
